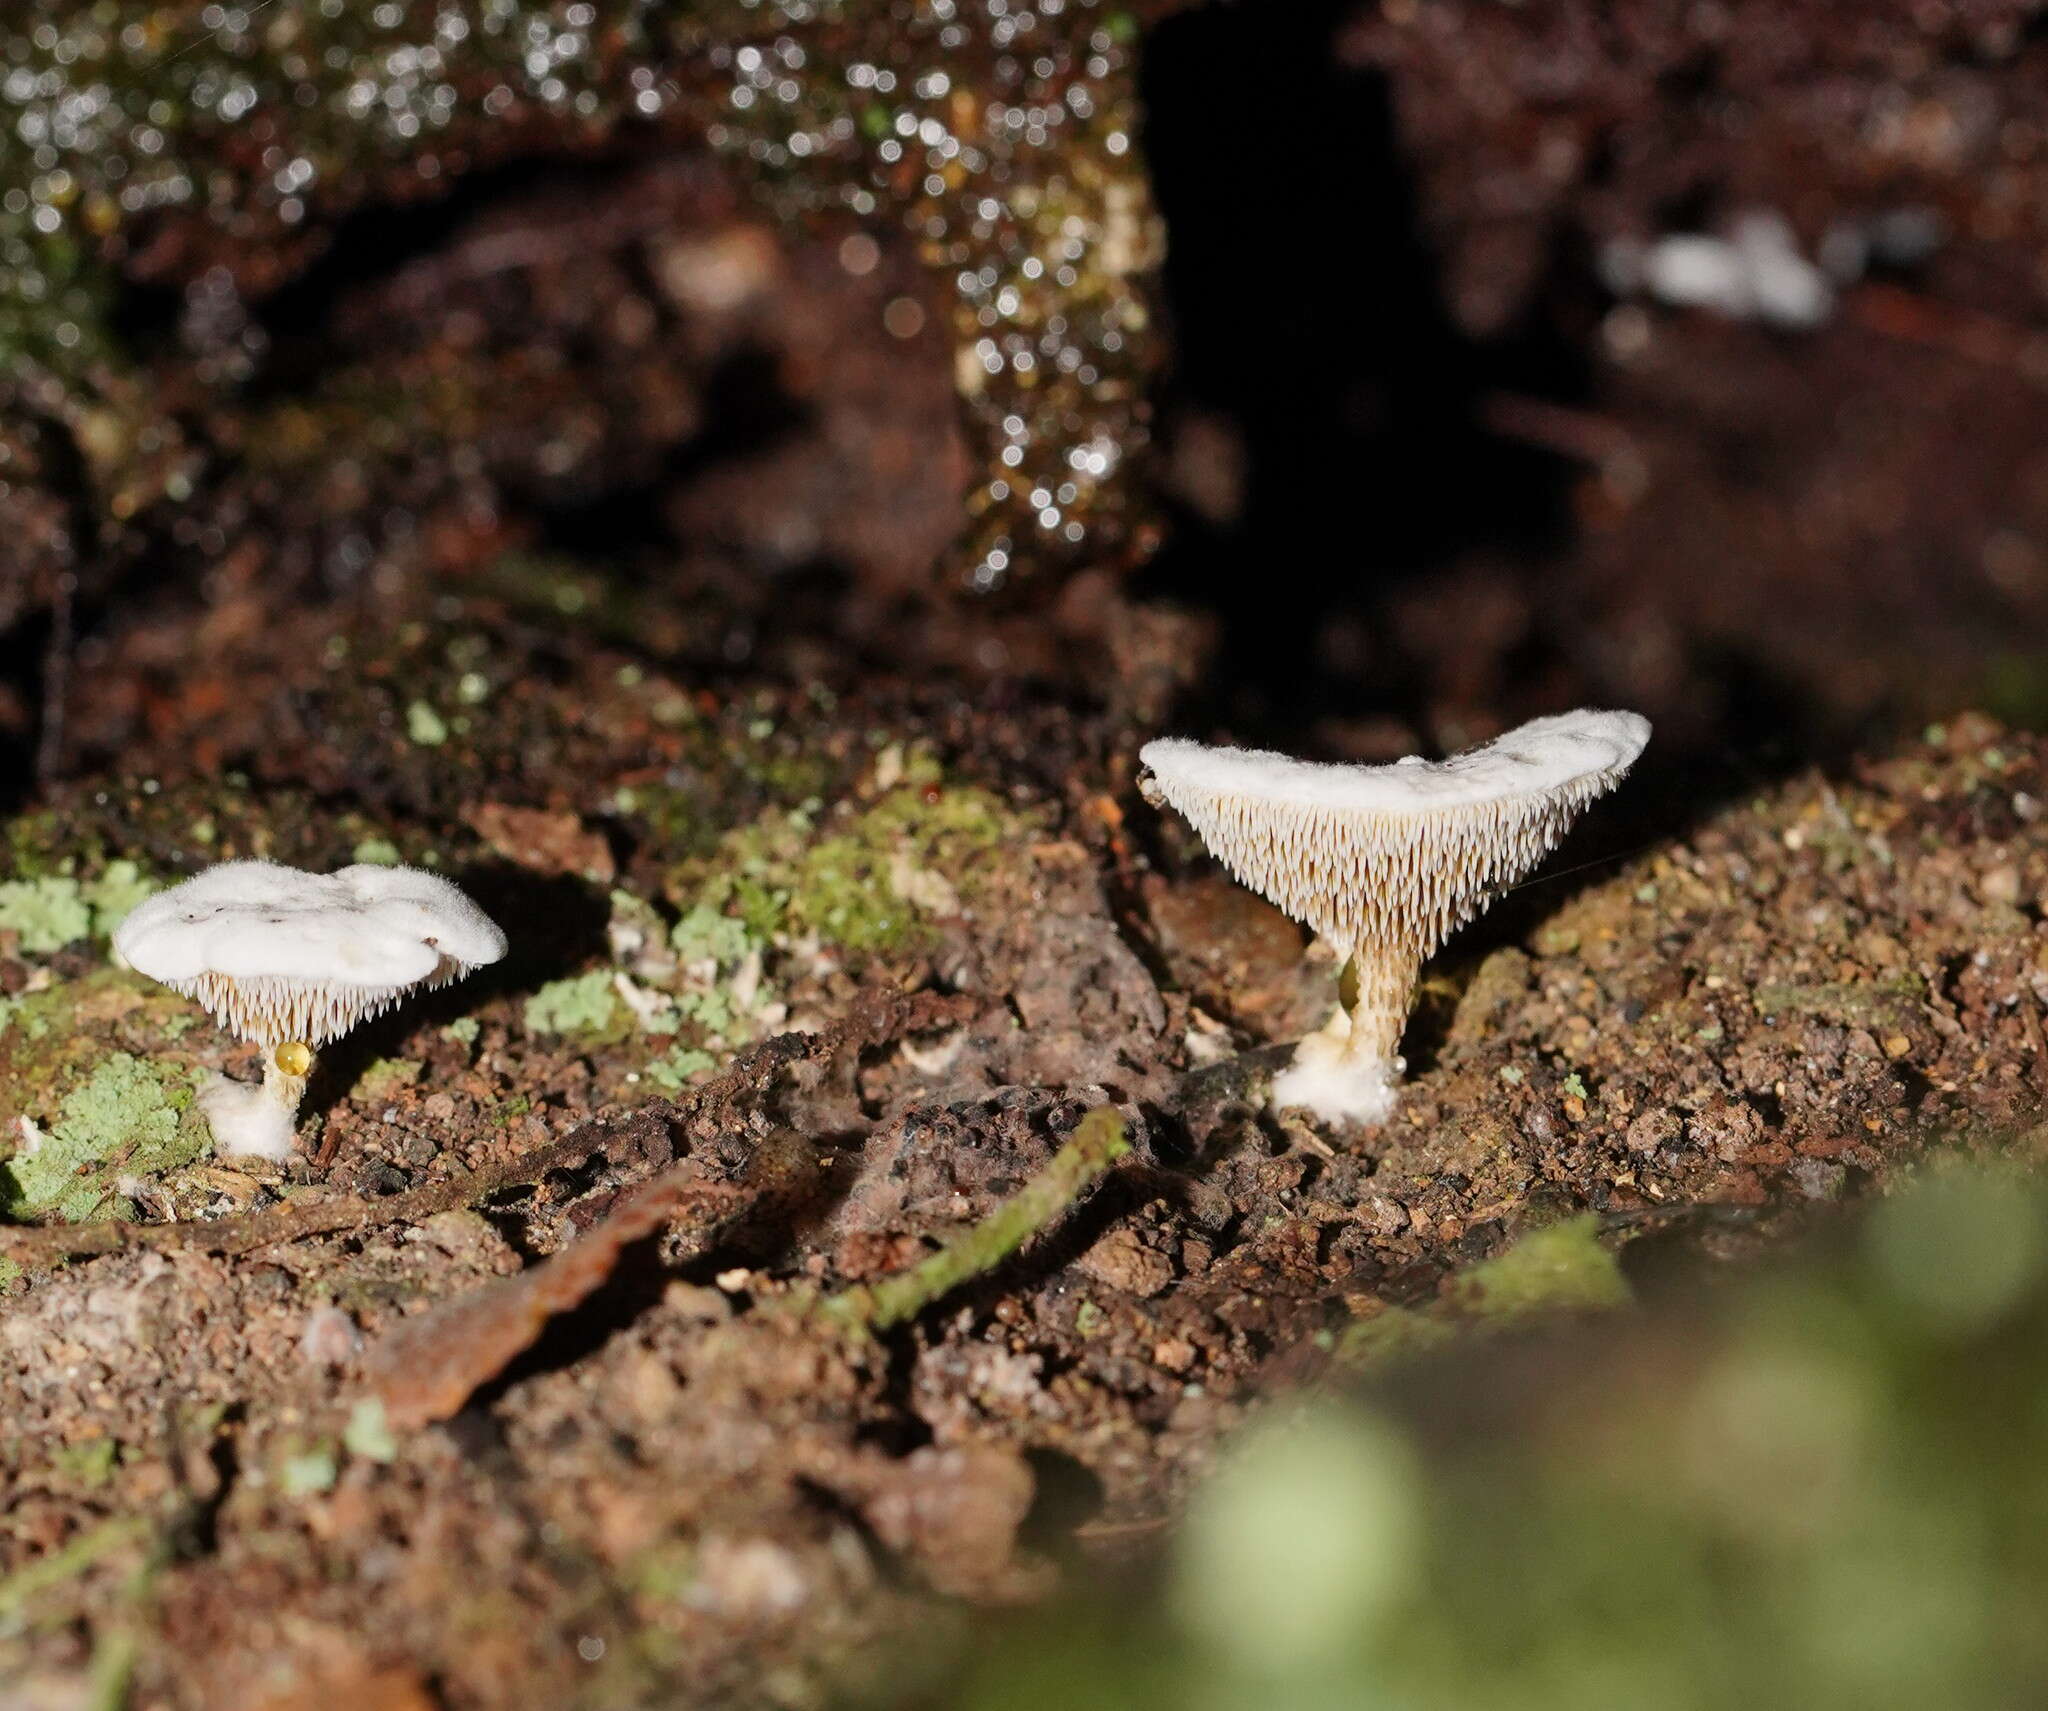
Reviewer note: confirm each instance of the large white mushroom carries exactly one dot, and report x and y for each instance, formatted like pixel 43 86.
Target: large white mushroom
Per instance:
pixel 1385 862
pixel 291 960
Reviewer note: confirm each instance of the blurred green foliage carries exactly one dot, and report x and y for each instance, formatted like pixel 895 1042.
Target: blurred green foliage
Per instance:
pixel 1826 1488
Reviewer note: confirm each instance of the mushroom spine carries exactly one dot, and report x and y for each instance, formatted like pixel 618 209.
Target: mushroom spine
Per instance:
pixel 1386 862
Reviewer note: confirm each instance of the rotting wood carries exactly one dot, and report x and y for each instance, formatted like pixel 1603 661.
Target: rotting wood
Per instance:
pixel 427 1367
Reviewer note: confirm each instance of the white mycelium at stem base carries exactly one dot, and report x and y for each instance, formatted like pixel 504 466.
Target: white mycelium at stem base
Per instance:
pixel 291 960
pixel 1385 862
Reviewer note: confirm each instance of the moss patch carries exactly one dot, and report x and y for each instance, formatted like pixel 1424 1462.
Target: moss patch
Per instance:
pixel 127 1119
pixel 386 1077
pixel 1559 1268
pixel 873 881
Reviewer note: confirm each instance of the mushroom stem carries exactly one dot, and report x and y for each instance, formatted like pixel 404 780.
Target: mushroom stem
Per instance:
pixel 1348 1068
pixel 282 1088
pixel 1377 996
pixel 255 1122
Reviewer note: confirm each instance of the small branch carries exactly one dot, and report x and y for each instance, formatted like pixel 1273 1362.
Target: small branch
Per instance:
pixel 47 1244
pixel 875 1019
pixel 426 1368
pixel 73 1559
pixel 1097 1144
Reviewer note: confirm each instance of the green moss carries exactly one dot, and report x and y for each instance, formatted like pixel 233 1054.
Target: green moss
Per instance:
pixel 1818 1485
pixel 90 1464
pixel 384 1077
pixel 127 1119
pixel 583 1004
pixel 1559 1268
pixel 377 852
pixel 1854 1003
pixel 1393 1334
pixel 38 844
pixel 663 1573
pixel 874 881
pixel 463 1030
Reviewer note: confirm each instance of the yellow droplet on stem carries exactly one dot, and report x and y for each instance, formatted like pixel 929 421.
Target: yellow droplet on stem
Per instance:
pixel 295 1057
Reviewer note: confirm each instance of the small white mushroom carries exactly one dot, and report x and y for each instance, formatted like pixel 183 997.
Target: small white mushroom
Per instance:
pixel 291 960
pixel 1385 862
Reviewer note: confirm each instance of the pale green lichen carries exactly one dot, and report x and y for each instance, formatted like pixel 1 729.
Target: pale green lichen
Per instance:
pixel 308 1472
pixel 377 852
pixel 55 910
pixel 463 1030
pixel 705 935
pixel 424 726
pixel 48 913
pixel 637 934
pixel 582 1004
pixel 675 1070
pixel 701 976
pixel 368 1432
pixel 117 890
pixel 125 1120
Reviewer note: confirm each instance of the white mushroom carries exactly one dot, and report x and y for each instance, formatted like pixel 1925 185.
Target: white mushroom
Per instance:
pixel 1385 862
pixel 291 960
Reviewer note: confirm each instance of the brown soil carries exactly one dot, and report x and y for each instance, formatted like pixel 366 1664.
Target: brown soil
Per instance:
pixel 684 1491
pixel 658 625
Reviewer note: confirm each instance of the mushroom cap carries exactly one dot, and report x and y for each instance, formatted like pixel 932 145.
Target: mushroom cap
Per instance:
pixel 277 954
pixel 1395 857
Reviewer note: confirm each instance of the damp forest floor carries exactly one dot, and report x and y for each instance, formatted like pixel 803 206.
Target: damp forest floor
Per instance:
pixel 596 1352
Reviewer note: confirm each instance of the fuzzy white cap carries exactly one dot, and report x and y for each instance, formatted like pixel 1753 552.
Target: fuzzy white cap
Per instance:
pixel 1393 858
pixel 276 954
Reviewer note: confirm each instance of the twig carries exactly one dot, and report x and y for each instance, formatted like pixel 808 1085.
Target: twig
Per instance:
pixel 75 1558
pixel 1578 434
pixel 428 1367
pixel 240 1235
pixel 1970 334
pixel 875 1019
pixel 1097 1144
